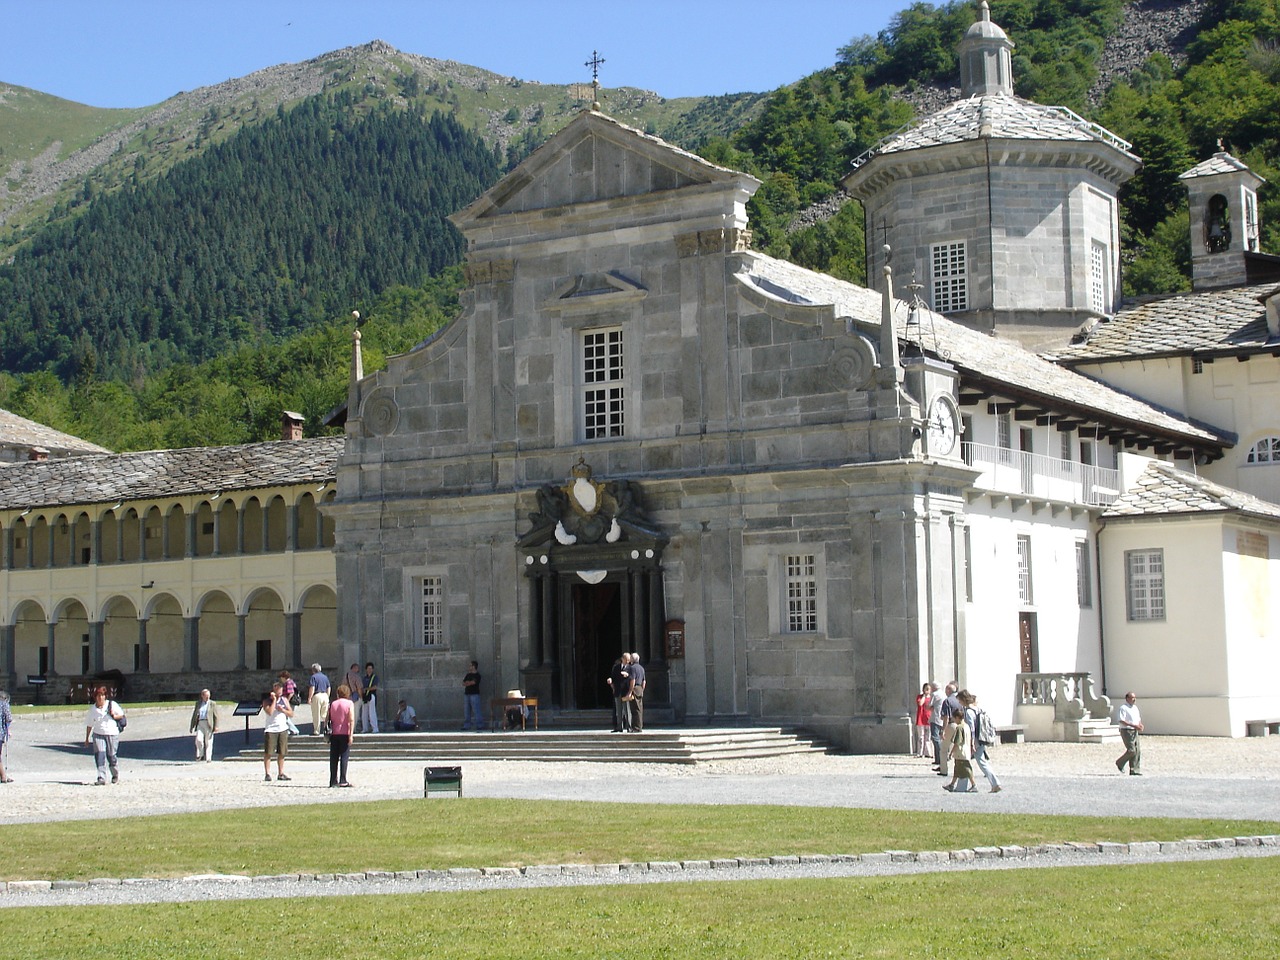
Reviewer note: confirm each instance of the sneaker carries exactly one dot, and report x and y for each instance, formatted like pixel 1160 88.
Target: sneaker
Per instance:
pixel 996 789
pixel 283 777
pixel 1134 773
pixel 100 783
pixel 949 788
pixel 971 790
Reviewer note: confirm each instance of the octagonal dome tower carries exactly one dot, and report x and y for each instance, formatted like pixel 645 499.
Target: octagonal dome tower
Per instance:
pixel 1005 210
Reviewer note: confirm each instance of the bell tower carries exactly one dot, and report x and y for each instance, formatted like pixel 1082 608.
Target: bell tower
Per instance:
pixel 1223 201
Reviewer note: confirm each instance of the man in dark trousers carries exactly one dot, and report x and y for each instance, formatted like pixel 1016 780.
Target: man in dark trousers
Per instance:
pixel 637 694
pixel 471 716
pixel 620 683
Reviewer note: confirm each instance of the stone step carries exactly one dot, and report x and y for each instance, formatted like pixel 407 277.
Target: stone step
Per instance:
pixel 658 746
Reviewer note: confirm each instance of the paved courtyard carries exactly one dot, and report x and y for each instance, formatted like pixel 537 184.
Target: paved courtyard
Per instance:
pixel 1183 777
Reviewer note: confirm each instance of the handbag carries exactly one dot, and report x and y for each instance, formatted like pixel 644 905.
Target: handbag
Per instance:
pixel 122 721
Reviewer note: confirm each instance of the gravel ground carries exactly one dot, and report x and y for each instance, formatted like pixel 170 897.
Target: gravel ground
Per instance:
pixel 1183 777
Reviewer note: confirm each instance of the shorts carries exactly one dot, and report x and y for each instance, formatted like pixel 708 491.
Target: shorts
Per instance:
pixel 276 743
pixel 963 769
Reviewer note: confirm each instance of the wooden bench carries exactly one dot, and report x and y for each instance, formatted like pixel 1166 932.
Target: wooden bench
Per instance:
pixel 441 780
pixel 1012 733
pixel 1262 728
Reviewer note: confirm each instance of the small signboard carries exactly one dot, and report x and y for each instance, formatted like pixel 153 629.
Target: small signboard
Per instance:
pixel 247 709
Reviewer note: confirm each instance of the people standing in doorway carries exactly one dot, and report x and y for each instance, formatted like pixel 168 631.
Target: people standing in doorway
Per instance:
pixel 6 721
pixel 920 746
pixel 1130 719
pixel 637 693
pixel 204 724
pixel 983 732
pixel 318 698
pixel 342 731
pixel 619 682
pixel 275 735
pixel 369 701
pixel 471 699
pixel 102 729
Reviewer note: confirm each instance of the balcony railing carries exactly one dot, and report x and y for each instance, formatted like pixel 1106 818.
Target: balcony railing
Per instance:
pixel 1035 475
pixel 1071 695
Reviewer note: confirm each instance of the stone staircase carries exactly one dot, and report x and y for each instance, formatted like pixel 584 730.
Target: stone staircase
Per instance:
pixel 686 746
pixel 1091 730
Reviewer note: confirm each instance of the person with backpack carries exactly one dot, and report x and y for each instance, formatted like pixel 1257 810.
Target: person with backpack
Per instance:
pixel 984 737
pixel 102 728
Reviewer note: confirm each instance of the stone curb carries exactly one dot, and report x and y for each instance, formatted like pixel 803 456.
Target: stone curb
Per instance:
pixel 1153 848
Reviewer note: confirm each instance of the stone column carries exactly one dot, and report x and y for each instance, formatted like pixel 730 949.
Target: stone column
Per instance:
pixel 164 537
pixel 217 530
pixel 142 537
pixel 291 527
pixel 6 548
pixel 193 528
pixel 293 640
pixel 144 651
pixel 119 538
pixel 52 644
pixel 8 651
pixel 95 541
pixel 239 531
pixel 50 529
pixel 657 621
pixel 242 621
pixel 96 652
pixel 190 643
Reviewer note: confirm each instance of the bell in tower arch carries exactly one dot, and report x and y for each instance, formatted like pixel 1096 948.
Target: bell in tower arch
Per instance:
pixel 1217 225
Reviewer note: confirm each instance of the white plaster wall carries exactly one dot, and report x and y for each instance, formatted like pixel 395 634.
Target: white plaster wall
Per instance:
pixel 1067 634
pixel 1252 588
pixel 1178 665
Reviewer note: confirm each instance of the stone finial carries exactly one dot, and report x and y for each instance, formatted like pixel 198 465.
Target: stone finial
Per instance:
pixel 888 335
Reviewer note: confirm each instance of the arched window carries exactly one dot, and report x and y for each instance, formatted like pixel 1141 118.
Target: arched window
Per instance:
pixel 1266 450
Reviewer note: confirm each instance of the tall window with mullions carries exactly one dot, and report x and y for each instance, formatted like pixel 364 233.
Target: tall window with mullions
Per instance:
pixel 604 392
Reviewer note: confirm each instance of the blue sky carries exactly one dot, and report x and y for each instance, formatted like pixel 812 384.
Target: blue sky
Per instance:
pixel 132 53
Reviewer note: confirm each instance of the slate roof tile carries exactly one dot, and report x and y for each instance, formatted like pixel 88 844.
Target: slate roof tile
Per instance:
pixel 1210 321
pixel 1163 489
pixel 159 474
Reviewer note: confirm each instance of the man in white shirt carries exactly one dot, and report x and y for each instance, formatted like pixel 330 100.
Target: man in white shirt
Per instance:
pixel 1130 720
pixel 406 717
pixel 204 724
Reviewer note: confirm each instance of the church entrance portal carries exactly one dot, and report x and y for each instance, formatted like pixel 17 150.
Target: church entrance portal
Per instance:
pixel 593 566
pixel 597 641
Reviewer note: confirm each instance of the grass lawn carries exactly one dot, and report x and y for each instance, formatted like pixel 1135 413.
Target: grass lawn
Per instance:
pixel 429 834
pixel 1210 911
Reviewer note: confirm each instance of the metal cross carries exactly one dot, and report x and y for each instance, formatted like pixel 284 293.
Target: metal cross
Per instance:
pixel 594 63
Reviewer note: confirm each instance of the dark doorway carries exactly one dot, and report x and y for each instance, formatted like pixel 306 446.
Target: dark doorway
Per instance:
pixel 597 641
pixel 1027 651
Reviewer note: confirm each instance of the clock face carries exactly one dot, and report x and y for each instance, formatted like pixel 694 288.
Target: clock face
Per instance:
pixel 943 429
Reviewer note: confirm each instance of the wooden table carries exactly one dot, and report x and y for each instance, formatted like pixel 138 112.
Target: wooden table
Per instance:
pixel 502 703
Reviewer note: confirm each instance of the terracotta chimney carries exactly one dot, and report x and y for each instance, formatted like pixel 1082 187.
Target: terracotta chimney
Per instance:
pixel 291 425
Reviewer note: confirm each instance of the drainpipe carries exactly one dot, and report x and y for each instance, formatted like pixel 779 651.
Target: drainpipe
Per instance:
pixel 1097 566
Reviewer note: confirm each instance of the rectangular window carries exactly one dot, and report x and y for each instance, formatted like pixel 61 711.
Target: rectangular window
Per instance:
pixel 1065 443
pixel 1004 437
pixel 1084 574
pixel 603 387
pixel 802 593
pixel 1197 365
pixel 950 277
pixel 1098 298
pixel 432 611
pixel 1144 584
pixel 1025 596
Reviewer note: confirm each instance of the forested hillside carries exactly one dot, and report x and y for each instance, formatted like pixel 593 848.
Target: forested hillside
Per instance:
pixel 282 226
pixel 276 227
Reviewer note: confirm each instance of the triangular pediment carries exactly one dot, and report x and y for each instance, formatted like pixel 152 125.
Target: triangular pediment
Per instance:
pixel 594 159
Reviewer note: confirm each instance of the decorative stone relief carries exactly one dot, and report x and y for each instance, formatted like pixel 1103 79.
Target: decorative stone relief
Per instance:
pixel 704 242
pixel 586 511
pixel 380 413
pixel 852 364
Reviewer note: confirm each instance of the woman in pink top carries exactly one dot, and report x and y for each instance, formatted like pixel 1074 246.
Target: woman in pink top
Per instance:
pixel 921 746
pixel 342 730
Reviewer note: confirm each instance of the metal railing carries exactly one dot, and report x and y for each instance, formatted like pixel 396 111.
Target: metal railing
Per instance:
pixel 1014 471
